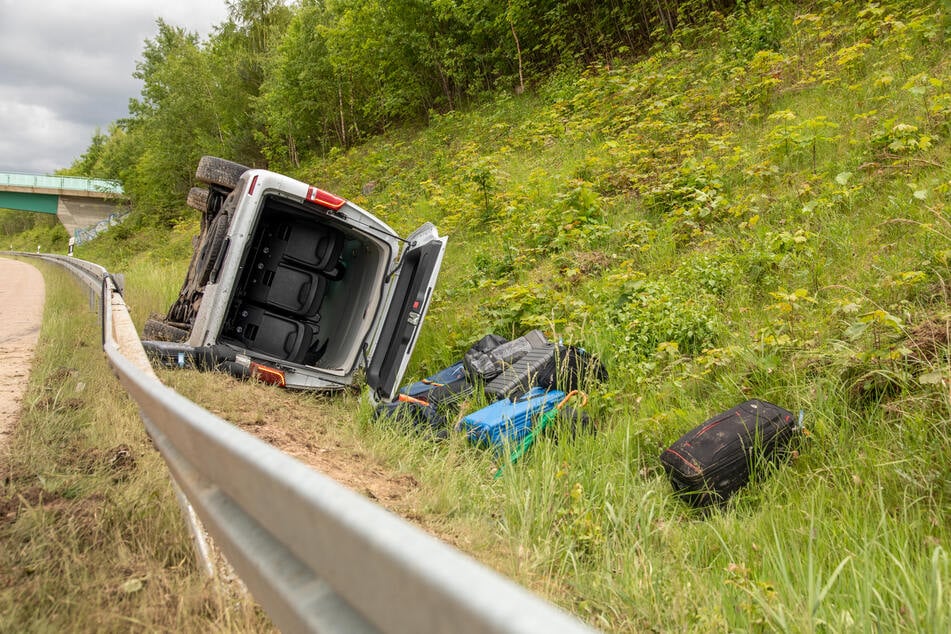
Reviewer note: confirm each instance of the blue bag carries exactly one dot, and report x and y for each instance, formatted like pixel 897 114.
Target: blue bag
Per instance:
pixel 506 422
pixel 441 387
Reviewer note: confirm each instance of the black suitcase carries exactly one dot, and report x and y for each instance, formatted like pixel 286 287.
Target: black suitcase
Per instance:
pixel 711 462
pixel 534 368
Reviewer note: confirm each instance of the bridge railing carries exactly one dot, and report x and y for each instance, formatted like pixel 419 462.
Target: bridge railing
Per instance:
pixel 316 556
pixel 74 183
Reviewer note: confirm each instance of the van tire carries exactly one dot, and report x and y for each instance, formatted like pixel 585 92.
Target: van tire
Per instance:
pixel 158 330
pixel 217 171
pixel 198 199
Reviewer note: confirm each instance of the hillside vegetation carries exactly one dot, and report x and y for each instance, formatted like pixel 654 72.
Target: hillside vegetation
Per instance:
pixel 757 206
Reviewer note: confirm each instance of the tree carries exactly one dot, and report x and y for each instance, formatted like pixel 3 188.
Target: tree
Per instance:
pixel 299 96
pixel 177 119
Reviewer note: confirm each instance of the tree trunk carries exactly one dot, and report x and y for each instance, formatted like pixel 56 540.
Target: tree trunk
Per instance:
pixel 343 122
pixel 518 50
pixel 292 150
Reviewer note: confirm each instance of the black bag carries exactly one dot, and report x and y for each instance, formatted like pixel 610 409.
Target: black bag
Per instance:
pixel 712 461
pixel 578 369
pixel 487 361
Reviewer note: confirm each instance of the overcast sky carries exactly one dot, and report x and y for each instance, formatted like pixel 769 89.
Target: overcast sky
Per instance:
pixel 66 69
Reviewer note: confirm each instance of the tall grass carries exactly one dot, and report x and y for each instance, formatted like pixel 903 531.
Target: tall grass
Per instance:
pixel 93 539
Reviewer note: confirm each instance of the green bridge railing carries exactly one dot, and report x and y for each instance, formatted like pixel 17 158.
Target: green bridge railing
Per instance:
pixel 74 183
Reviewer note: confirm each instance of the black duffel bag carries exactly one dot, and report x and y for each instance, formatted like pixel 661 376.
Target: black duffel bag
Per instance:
pixel 711 462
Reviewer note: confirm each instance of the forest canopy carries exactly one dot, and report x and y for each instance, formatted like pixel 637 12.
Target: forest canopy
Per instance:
pixel 277 82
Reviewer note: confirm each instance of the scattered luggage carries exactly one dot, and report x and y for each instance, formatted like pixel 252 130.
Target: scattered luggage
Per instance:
pixel 487 361
pixel 530 379
pixel 711 462
pixel 504 423
pixel 424 405
pixel 446 386
pixel 575 368
pixel 534 368
pixel 512 368
pixel 421 417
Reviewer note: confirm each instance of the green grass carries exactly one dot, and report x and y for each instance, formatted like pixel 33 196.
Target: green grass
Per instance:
pixel 716 223
pixel 93 538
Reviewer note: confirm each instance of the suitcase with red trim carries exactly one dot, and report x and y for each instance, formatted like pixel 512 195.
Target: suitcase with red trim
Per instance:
pixel 711 462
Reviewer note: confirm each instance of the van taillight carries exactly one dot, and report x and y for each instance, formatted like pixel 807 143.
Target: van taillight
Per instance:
pixel 267 374
pixel 325 199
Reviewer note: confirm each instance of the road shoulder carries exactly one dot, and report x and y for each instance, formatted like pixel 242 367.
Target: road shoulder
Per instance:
pixel 22 294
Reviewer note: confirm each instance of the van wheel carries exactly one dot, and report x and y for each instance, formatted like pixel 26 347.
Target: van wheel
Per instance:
pixel 217 171
pixel 157 330
pixel 211 248
pixel 198 198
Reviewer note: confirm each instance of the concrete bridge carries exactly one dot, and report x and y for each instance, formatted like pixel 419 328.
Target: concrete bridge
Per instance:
pixel 79 203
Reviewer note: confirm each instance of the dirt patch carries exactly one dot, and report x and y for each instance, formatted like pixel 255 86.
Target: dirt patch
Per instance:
pixel 302 426
pixel 118 461
pixel 928 340
pixel 22 293
pixel 353 469
pixel 29 497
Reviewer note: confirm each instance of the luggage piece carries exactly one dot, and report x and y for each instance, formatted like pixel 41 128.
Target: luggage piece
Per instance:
pixel 712 461
pixel 446 386
pixel 286 287
pixel 506 422
pixel 268 333
pixel 550 365
pixel 417 416
pixel 576 367
pixel 542 424
pixel 424 405
pixel 486 361
pixel 535 368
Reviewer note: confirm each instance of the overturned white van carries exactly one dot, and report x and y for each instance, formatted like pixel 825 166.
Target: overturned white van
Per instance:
pixel 296 286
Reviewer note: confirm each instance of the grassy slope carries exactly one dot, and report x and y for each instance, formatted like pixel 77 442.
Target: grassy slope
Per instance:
pixel 717 225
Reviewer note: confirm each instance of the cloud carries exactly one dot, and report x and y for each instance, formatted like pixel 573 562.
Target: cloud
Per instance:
pixel 66 69
pixel 36 145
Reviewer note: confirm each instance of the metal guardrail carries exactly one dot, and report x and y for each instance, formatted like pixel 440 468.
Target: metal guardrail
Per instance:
pixel 74 183
pixel 316 556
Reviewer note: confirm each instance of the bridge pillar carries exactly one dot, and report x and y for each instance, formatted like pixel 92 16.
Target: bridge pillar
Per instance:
pixel 82 212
